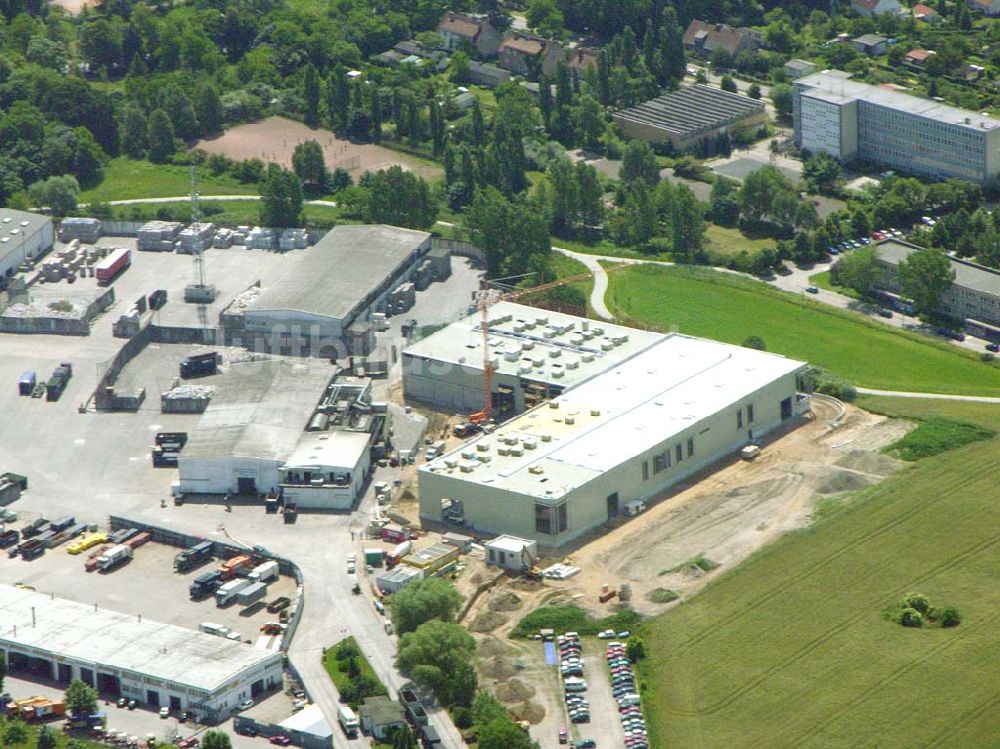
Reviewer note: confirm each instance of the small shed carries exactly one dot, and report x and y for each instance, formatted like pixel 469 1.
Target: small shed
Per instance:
pixel 511 553
pixel 459 541
pixel 870 44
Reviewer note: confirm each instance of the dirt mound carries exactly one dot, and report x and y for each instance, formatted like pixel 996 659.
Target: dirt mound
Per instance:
pixel 513 690
pixel 528 586
pixel 843 481
pixel 498 667
pixel 487 621
pixel 505 601
pixel 529 711
pixel 868 462
pixel 490 646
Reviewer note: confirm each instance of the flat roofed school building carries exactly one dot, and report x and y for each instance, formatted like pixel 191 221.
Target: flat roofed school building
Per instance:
pixel 567 466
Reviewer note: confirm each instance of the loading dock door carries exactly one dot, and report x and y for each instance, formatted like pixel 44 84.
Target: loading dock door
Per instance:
pixel 108 684
pixel 786 409
pixel 246 486
pixel 152 698
pixel 612 505
pixel 257 688
pixel 87 676
pixel 65 673
pixel 175 704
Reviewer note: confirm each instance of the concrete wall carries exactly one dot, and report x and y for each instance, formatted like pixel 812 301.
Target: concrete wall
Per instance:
pixel 331 497
pixel 219 475
pixel 496 510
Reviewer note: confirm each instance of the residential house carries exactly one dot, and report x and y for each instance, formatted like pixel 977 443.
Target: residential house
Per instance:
pixel 989 8
pixel 380 715
pixel 870 44
pixel 872 8
pixel 484 74
pixel 414 53
pixel 582 59
pixel 530 55
pixel 918 56
pixel 925 13
pixel 799 68
pixel 458 28
pixel 703 39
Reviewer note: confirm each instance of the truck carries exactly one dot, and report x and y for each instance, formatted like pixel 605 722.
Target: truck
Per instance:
pixel 226 594
pixel 32 549
pixel 8 538
pixel 251 594
pixel 264 572
pixel 34 528
pixel 200 365
pixel 348 721
pixel 635 507
pixel 205 584
pixel 157 299
pixel 398 552
pixel 109 267
pixel 290 513
pixel 63 523
pixel 394 534
pixel 193 556
pixel 26 383
pixel 87 542
pixel 411 703
pixel 236 566
pixel 211 628
pixel 35 708
pixel 57 382
pixel 92 721
pixel 113 557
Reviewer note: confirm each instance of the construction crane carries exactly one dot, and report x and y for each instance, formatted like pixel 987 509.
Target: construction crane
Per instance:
pixel 490 296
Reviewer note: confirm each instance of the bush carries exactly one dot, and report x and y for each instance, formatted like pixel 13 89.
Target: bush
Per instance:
pixel 949 617
pixel 916 601
pixel 462 717
pixel 909 617
pixel 756 342
pixel 829 384
pixel 573 619
pixel 935 436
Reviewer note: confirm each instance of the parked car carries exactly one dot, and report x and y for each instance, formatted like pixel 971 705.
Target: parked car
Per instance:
pixel 993 347
pixel 164 711
pixel 280 740
pixel 812 290
pixel 585 744
pixel 246 705
pixel 883 312
pixel 122 702
pixel 563 736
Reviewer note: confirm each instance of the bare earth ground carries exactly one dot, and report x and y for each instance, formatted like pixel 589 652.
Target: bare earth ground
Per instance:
pixel 72 6
pixel 274 139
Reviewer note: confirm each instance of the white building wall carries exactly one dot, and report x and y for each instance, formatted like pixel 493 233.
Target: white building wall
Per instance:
pixel 220 475
pixel 497 510
pixel 453 387
pixel 331 497
pixel 32 245
pixel 821 126
pixel 294 323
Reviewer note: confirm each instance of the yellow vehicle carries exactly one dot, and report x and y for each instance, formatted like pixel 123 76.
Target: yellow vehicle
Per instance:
pixel 88 541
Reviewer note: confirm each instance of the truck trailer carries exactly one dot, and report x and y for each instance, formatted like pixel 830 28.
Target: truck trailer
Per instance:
pixel 200 365
pixel 57 382
pixel 226 594
pixel 193 556
pixel 205 584
pixel 264 573
pixel 108 269
pixel 251 594
pixel 348 720
pixel 26 384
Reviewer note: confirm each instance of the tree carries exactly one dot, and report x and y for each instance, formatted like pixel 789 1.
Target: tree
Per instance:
pixel 400 198
pixel 133 131
pixel 723 205
pixel 672 48
pixel 754 91
pixel 422 601
pixel 728 84
pixel 310 95
pixel 513 235
pixel 503 734
pixel 215 740
pixel 635 648
pixel 338 97
pixel 208 108
pixel 687 224
pixel 181 111
pixel 781 97
pixel 590 125
pixel 639 163
pixel 917 601
pixel 309 165
pixel 949 617
pixel 821 172
pixel 15 734
pixel 3 669
pixel 46 738
pixel 280 198
pixel 58 194
pixel 859 270
pixel 438 654
pixel 486 708
pixel 81 699
pixel 925 275
pixel 401 737
pixel 160 137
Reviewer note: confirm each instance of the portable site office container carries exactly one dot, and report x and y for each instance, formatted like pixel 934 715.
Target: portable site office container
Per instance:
pixel 251 594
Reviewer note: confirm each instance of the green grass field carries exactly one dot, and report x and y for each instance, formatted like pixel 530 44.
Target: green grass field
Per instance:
pixel 337 670
pixel 727 242
pixel 822 281
pixel 731 308
pixel 791 649
pixel 234 212
pixel 126 178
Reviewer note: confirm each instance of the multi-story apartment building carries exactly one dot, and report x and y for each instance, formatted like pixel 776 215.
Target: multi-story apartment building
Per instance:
pixel 852 120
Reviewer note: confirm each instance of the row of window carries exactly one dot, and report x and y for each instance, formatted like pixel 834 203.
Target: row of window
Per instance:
pixel 661 461
pixel 550 520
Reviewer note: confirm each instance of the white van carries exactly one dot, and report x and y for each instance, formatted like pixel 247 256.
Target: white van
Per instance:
pixel 212 628
pixel 635 507
pixel 575 685
pixel 628 700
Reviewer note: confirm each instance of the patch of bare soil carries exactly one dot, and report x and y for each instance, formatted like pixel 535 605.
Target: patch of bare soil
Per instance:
pixel 504 601
pixel 529 711
pixel 491 646
pixel 513 690
pixel 487 621
pixel 497 667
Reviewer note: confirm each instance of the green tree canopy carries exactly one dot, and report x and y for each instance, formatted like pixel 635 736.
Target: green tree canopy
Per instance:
pixel 419 602
pixel 216 740
pixel 439 656
pixel 513 234
pixel 639 163
pixel 58 194
pixel 308 163
pixel 400 198
pixel 160 137
pixel 81 699
pixel 925 275
pixel 859 270
pixel 280 198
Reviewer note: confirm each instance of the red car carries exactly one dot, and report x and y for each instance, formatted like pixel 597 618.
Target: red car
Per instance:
pixel 280 740
pixel 191 743
pixel 563 736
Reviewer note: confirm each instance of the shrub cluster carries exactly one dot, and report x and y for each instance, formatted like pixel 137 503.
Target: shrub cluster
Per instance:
pixel 915 610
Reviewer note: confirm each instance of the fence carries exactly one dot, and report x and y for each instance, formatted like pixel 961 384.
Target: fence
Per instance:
pixel 459 247
pixel 122 228
pixel 104 399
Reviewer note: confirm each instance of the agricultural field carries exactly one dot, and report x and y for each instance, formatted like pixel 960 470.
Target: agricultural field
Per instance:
pixel 274 139
pixel 732 308
pixel 796 649
pixel 226 212
pixel 127 179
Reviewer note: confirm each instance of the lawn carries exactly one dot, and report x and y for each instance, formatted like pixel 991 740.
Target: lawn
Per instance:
pixel 822 281
pixel 792 648
pixel 338 671
pixel 234 212
pixel 126 179
pixel 32 730
pixel 727 242
pixel 731 308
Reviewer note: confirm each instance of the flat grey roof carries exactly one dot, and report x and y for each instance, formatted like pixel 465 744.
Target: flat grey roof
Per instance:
pixel 967 275
pixel 691 109
pixel 836 86
pixel 337 275
pixel 84 633
pixel 16 226
pixel 260 409
pixel 869 39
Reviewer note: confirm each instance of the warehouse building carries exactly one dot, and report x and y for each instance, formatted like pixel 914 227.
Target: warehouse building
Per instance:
pixel 974 295
pixel 536 354
pixel 127 655
pixel 690 116
pixel 851 120
pixel 289 428
pixel 570 465
pixel 23 236
pixel 322 304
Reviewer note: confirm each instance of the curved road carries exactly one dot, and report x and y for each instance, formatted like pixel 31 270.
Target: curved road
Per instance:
pixel 935 396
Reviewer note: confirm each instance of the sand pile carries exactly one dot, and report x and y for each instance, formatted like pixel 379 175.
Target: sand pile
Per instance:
pixel 487 621
pixel 505 601
pixel 513 690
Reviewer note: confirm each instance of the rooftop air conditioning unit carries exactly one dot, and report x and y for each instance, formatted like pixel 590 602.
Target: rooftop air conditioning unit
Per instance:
pixel 527 345
pixel 553 404
pixel 466 467
pixel 530 443
pixel 572 363
pixel 587 357
pixel 501 450
pixel 595 412
pixel 555 353
pixel 468 454
pixel 483 446
pixel 536 469
pixel 546 438
pixel 557 374
pixel 517 451
pixel 570 420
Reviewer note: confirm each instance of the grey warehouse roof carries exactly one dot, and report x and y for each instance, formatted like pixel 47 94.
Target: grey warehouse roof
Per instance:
pixel 691 109
pixel 260 410
pixel 967 275
pixel 16 226
pixel 835 86
pixel 124 641
pixel 338 274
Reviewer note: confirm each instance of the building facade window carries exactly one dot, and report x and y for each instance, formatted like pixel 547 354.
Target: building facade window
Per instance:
pixel 690 446
pixel 750 414
pixel 661 462
pixel 561 517
pixel 543 519
pixel 679 452
pixel 739 419
pixel 645 470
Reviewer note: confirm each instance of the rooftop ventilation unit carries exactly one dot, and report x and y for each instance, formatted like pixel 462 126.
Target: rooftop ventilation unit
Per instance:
pixel 466 467
pixel 530 443
pixel 483 446
pixel 587 357
pixel 516 451
pixel 502 450
pixel 555 353
pixel 553 404
pixel 527 345
pixel 557 374
pixel 536 469
pixel 572 363
pixel 570 420
pixel 595 412
pixel 546 438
